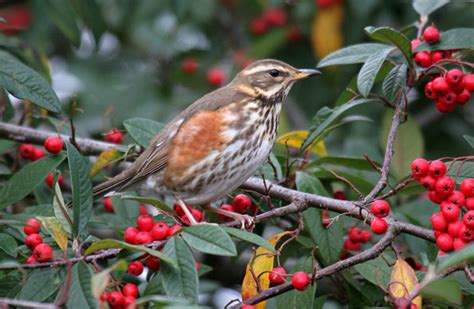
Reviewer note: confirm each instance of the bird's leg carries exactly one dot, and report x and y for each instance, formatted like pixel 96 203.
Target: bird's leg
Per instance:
pixel 186 211
pixel 245 220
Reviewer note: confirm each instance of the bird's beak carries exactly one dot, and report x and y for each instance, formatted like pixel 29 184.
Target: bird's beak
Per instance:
pixel 304 73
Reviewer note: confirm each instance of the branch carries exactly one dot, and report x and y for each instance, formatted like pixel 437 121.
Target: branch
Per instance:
pixel 366 255
pixel 26 303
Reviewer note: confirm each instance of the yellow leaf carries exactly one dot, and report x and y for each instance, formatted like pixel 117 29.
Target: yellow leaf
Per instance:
pixel 326 34
pixel 105 158
pixel 261 261
pixel 296 138
pixel 52 225
pixel 100 280
pixel 403 280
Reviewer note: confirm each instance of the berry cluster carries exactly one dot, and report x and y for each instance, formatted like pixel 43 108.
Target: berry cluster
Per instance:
pixel 380 209
pixel 124 299
pixel 41 252
pixel 299 279
pixel 274 17
pixel 454 225
pixel 424 58
pixel 30 152
pixel 356 237
pixel 326 3
pixel 114 136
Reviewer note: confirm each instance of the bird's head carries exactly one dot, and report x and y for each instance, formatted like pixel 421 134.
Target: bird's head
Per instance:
pixel 269 78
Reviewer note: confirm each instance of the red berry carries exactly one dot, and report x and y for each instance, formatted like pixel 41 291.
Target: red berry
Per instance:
pixel 414 44
pixel 326 3
pixel 26 151
pixel 440 86
pixel 435 198
pixel 380 208
pixel 365 237
pixel 300 280
pixel 294 35
pixel 469 203
pixel 226 207
pixel 351 246
pixel 103 296
pixel 49 179
pixel 437 169
pixel 38 153
pixel 53 144
pixel 275 275
pixel 467 187
pixel 130 289
pixel 174 229
pixel 178 210
pixel 419 167
pixel 241 203
pixel 469 82
pixel 30 260
pixel 114 136
pixel 31 226
pixel 135 268
pixel 129 302
pixel 115 299
pixel 454 77
pixel 143 238
pixel 428 182
pixel 197 214
pixel 437 55
pixel 459 244
pixel 143 210
pixel 438 222
pixel 258 26
pixel 458 88
pixel 423 59
pixel 466 233
pixel 160 231
pixel 355 234
pixel 437 233
pixel 339 195
pixel 378 226
pixel 454 228
pixel 429 92
pixel 431 35
pixel 444 186
pixel 344 255
pixel 468 219
pixel 456 198
pixel 215 77
pixel 108 207
pixel 448 99
pixel 33 240
pixel 130 234
pixel 189 65
pixel 445 242
pixel 443 108
pixel 450 211
pixel 275 17
pixel 145 222
pixel 198 266
pixel 245 306
pixel 43 252
pixel 153 263
pixel 463 97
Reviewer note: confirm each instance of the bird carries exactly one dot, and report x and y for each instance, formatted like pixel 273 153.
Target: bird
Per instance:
pixel 216 143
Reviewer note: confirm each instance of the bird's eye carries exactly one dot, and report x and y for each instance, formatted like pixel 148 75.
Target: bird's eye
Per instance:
pixel 274 73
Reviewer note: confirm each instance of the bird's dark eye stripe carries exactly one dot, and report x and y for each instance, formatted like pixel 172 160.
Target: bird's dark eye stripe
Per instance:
pixel 274 73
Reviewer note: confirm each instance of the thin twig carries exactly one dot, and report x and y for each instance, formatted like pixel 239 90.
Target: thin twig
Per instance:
pixel 26 304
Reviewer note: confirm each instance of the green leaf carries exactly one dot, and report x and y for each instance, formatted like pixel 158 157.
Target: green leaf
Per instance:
pixel 181 281
pixel 63 16
pixel 395 81
pixel 81 188
pixel 369 71
pixel 348 162
pixel 8 244
pixel 426 7
pixel 392 36
pixel 469 139
pixel 209 239
pixel 80 292
pixel 458 257
pixel 353 54
pixel 146 200
pixel 100 280
pixel 142 130
pixel 299 299
pixel 41 284
pixel 360 183
pixel 113 243
pixel 461 170
pixel 409 144
pixel 91 15
pixel 60 210
pixel 448 290
pixel 324 120
pixel 24 83
pixel 172 303
pixel 376 271
pixel 309 184
pixel 27 179
pixel 249 237
pixel 458 38
pixel 266 45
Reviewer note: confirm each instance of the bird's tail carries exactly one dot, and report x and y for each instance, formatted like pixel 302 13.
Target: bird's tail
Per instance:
pixel 116 183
